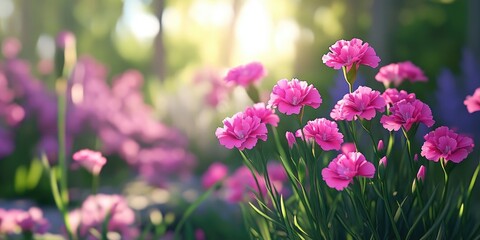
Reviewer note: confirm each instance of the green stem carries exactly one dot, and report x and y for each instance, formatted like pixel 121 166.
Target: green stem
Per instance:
pixel 95 183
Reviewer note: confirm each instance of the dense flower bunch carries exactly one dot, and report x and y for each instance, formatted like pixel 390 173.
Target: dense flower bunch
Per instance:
pixel 365 182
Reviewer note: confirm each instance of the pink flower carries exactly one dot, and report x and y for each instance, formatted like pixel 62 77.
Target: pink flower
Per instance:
pixel 405 114
pixel 348 147
pixel 396 73
pixel 325 133
pixel 383 161
pixel 421 173
pixel 215 173
pixel 239 186
pixel 91 160
pixel 291 96
pixel 241 131
pixel 245 75
pixel 392 96
pixel 415 157
pixel 96 208
pixel 345 167
pixel 32 221
pixel 265 114
pixel 350 53
pixel 363 102
pixel 473 102
pixel 290 139
pixel 445 143
pixel 8 220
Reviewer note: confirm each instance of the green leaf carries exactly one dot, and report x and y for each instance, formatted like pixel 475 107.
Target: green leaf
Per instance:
pixel 420 215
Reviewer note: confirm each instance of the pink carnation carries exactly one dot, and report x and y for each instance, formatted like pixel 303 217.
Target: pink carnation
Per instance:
pixel 445 143
pixel 91 160
pixel 363 102
pixel 245 75
pixel 348 147
pixel 392 96
pixel 325 133
pixel 241 131
pixel 95 210
pixel 405 114
pixel 32 221
pixel 265 114
pixel 291 96
pixel 473 102
pixel 350 53
pixel 396 73
pixel 345 167
pixel 239 186
pixel 215 173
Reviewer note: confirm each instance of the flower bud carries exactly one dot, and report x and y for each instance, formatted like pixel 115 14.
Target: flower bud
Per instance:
pixel 380 145
pixel 421 173
pixel 383 161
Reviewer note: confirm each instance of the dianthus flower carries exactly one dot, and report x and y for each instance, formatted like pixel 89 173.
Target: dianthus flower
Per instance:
pixel 32 221
pixel 405 114
pixel 350 53
pixel 215 173
pixel 473 102
pixel 363 102
pixel 345 167
pixel 265 114
pixel 325 133
pixel 246 75
pixel 392 96
pixel 348 147
pixel 445 143
pixel 91 160
pixel 241 131
pixel 291 96
pixel 97 208
pixel 421 173
pixel 396 73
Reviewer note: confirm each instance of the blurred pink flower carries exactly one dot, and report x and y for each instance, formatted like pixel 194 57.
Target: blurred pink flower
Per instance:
pixel 325 133
pixel 265 114
pixel 348 147
pixel 392 96
pixel 405 114
pixel 396 73
pixel 32 221
pixel 350 53
pixel 239 186
pixel 363 102
pixel 246 75
pixel 383 161
pixel 241 131
pixel 473 102
pixel 421 173
pixel 290 139
pixel 65 39
pixel 91 160
pixel 445 143
pixel 277 175
pixel 345 167
pixel 415 157
pixel 215 173
pixel 96 208
pixel 11 47
pixel 291 96
pixel 8 220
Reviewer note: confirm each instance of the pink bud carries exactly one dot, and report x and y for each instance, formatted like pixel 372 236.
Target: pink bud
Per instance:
pixel 380 145
pixel 290 139
pixel 421 173
pixel 415 157
pixel 91 160
pixel 383 161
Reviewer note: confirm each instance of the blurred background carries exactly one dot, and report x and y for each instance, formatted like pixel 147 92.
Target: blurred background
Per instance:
pixel 150 74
